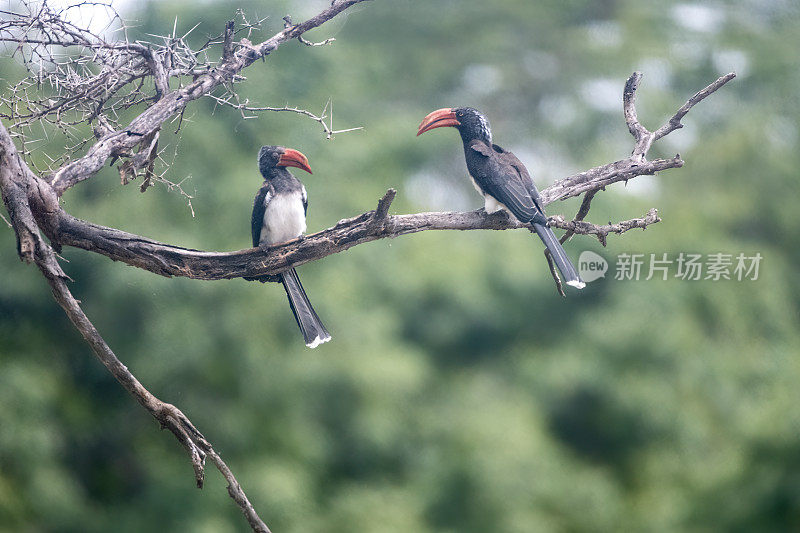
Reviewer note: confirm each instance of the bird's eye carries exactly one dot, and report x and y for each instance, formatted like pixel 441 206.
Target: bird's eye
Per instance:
pixel 276 156
pixel 460 114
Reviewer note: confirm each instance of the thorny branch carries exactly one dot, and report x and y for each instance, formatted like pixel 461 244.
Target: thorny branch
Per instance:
pixel 78 76
pixel 109 76
pixel 122 140
pixel 67 90
pixel 287 23
pixel 244 109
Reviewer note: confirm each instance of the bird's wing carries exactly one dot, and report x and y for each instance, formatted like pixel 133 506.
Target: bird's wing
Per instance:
pixel 263 197
pixel 506 183
pixel 481 147
pixel 524 176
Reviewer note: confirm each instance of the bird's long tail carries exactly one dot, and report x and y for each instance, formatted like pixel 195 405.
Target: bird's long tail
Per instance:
pixel 313 330
pixel 559 256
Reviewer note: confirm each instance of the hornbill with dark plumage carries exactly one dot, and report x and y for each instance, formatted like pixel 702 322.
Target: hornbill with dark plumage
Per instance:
pixel 279 215
pixel 501 179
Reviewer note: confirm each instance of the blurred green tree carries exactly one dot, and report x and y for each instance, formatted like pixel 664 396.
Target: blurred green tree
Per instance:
pixel 461 393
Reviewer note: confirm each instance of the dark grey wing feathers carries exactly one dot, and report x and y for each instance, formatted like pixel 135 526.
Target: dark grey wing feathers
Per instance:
pixel 498 179
pixel 515 197
pixel 259 207
pixel 512 160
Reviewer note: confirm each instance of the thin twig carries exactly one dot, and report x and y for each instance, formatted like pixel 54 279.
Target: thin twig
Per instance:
pixel 602 231
pixel 674 123
pixel 244 108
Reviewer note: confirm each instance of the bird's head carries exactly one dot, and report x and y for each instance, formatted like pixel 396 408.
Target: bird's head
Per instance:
pixel 270 157
pixel 469 122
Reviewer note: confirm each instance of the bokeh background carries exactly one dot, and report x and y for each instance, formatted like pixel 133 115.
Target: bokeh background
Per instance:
pixel 460 392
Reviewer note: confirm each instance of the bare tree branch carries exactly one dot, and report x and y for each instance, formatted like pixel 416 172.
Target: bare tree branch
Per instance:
pixel 675 122
pixel 581 227
pixel 643 137
pixel 169 416
pixel 643 141
pixel 287 20
pixel 170 260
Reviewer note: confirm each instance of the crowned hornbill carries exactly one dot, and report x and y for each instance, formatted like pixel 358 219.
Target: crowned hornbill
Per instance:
pixel 279 215
pixel 501 179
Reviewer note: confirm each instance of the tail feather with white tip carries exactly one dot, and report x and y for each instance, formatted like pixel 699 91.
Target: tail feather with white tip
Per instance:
pixel 310 324
pixel 560 256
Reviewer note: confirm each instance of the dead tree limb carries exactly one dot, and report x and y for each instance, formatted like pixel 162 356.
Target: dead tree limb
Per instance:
pixel 170 260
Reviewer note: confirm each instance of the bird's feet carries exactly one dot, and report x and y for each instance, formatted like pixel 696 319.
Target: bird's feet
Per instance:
pixel 500 214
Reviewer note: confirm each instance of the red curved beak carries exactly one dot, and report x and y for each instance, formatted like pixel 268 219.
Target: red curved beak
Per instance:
pixel 438 119
pixel 293 158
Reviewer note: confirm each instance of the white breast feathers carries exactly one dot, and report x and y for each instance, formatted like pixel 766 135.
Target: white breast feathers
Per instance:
pixel 284 219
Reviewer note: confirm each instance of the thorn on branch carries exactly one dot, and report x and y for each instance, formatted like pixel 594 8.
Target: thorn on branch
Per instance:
pixel 231 99
pixel 306 42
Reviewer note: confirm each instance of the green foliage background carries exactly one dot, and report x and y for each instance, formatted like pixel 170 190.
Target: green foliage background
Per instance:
pixel 460 393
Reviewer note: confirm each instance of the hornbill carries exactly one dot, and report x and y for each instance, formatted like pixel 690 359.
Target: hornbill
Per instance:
pixel 279 215
pixel 501 179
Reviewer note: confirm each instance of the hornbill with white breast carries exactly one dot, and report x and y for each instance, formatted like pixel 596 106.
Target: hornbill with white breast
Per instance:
pixel 279 215
pixel 501 179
